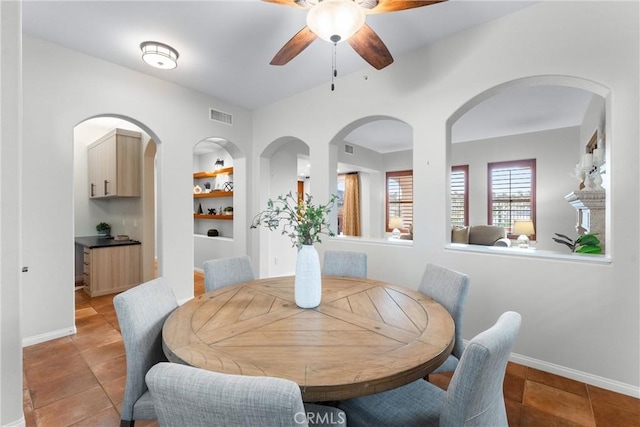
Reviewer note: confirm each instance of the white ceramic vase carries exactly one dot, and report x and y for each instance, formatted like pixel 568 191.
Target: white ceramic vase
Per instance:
pixel 308 284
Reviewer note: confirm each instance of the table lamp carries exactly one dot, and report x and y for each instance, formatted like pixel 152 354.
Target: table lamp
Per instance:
pixel 523 227
pixel 396 224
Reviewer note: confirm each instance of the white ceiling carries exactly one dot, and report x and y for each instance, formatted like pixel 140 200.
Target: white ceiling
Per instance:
pixel 225 48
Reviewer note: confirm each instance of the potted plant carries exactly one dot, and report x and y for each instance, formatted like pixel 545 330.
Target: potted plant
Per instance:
pixel 585 244
pixel 103 228
pixel 304 223
pixel 228 210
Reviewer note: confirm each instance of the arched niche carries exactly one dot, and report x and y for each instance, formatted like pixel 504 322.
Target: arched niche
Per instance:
pixel 218 199
pixel 552 120
pixel 284 167
pixel 136 216
pixel 370 147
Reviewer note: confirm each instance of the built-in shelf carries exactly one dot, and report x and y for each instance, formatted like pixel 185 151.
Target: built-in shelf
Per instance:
pixel 213 194
pixel 204 216
pixel 223 171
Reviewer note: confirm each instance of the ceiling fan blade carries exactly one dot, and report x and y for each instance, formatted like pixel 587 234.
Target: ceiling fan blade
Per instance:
pixel 371 48
pixel 293 47
pixel 293 3
pixel 385 6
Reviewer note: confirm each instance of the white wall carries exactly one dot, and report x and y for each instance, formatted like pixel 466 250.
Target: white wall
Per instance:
pixel 573 311
pixel 63 88
pixel 10 219
pixel 555 152
pixel 283 180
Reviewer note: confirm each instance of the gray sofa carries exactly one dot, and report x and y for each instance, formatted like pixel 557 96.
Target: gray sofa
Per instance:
pixel 485 235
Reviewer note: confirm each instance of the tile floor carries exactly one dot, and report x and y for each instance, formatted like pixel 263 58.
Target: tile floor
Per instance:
pixel 79 381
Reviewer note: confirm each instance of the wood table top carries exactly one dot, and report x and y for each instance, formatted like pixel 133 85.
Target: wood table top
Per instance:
pixel 365 337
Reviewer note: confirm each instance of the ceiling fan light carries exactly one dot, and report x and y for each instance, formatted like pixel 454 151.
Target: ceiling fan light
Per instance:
pixel 159 55
pixel 335 20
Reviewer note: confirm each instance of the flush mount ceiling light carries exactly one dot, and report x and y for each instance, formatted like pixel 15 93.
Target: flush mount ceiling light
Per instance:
pixel 335 20
pixel 159 55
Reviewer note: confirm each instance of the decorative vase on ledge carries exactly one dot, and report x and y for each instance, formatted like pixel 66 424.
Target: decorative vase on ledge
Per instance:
pixel 308 284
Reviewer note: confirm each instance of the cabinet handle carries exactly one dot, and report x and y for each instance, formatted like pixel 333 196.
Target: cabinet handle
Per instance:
pixel 105 187
pixel 92 187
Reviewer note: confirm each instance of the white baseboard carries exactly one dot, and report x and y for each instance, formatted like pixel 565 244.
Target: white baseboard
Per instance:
pixel 21 422
pixel 37 339
pixel 595 380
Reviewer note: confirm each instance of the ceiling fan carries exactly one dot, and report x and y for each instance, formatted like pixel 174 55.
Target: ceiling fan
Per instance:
pixel 339 20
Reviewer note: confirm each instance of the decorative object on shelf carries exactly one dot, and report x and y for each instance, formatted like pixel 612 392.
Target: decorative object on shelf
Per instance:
pixel 585 244
pixel 219 164
pixel 212 211
pixel 228 186
pixel 396 223
pixel 212 232
pixel 200 212
pixel 303 223
pixel 228 210
pixel 589 171
pixel 197 189
pixel 524 228
pixel 207 187
pixel 103 229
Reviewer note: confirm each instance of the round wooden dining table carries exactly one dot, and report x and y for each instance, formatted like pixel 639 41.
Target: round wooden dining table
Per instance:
pixel 365 337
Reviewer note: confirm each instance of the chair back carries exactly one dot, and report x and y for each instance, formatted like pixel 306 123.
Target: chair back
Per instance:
pixel 475 396
pixel 227 271
pixel 449 288
pixel 188 396
pixel 141 313
pixel 345 263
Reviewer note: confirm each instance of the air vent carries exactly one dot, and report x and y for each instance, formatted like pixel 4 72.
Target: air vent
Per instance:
pixel 220 116
pixel 348 149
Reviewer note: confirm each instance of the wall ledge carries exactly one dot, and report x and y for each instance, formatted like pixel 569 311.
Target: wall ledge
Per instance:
pixel 529 253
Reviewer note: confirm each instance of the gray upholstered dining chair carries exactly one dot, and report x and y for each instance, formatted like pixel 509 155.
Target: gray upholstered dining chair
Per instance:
pixel 227 271
pixel 194 397
pixel 345 263
pixel 141 313
pixel 449 288
pixel 474 397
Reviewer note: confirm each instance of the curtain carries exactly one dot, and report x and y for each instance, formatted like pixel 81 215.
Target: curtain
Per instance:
pixel 351 213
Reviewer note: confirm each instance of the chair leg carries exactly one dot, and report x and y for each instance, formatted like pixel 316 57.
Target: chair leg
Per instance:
pixel 127 423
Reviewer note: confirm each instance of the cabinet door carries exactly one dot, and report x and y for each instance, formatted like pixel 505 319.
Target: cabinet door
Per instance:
pixel 108 157
pixel 114 269
pixel 93 166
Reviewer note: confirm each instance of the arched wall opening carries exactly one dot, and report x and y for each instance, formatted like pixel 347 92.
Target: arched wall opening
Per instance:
pixel 284 168
pixel 371 147
pixel 131 216
pixel 556 147
pixel 219 200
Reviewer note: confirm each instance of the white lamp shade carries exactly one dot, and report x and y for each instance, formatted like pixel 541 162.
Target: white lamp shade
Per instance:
pixel 159 55
pixel 335 20
pixel 523 227
pixel 395 222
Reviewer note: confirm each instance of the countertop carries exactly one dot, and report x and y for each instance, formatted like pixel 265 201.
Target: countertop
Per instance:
pixel 103 242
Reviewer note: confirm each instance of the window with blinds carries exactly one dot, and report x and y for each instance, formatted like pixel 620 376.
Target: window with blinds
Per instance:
pixel 459 196
pixel 512 192
pixel 399 199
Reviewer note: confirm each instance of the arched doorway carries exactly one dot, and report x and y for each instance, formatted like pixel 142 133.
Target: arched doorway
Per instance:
pixel 134 217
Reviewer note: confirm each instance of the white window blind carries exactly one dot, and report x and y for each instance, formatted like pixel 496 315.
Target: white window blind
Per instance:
pixel 400 197
pixel 459 195
pixel 511 192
